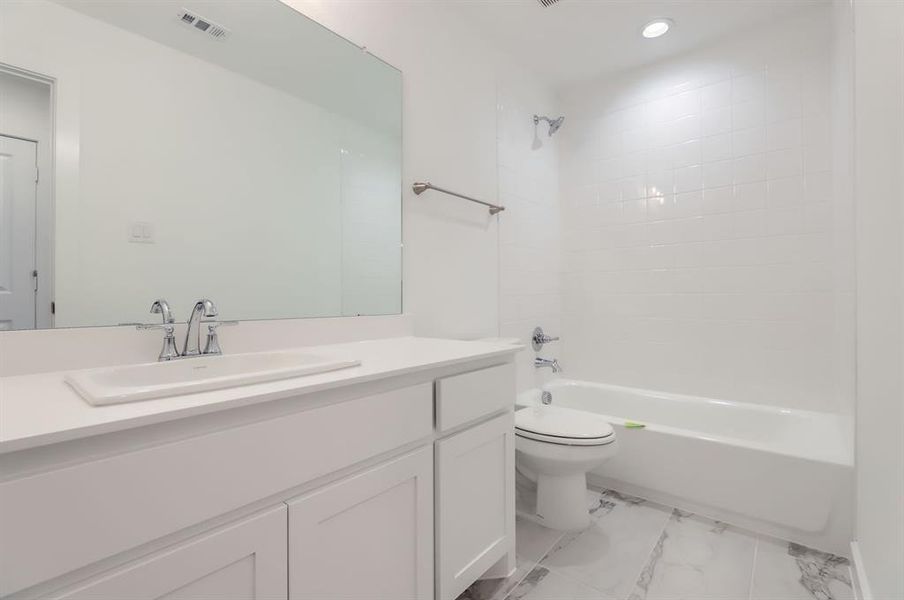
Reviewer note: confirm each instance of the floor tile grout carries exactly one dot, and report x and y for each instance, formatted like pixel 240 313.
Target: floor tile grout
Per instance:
pixel 534 564
pixel 564 575
pixel 646 560
pixel 519 580
pixel 756 553
pixel 540 563
pixel 655 539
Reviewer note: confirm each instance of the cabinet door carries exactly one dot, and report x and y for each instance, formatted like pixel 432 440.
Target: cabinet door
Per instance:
pixel 475 503
pixel 368 537
pixel 244 560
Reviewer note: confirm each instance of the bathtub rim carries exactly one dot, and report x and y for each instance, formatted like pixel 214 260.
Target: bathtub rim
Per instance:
pixel 843 457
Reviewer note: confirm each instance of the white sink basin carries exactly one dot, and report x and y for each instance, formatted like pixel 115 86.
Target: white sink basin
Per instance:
pixel 116 385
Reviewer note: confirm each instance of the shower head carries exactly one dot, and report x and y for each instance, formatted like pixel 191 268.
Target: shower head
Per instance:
pixel 554 124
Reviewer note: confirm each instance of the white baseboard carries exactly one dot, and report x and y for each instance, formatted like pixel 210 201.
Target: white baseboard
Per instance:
pixel 858 575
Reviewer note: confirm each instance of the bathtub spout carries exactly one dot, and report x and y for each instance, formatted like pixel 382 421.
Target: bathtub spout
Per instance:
pixel 552 363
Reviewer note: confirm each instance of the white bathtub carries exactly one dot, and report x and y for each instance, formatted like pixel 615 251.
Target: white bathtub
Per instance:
pixel 781 471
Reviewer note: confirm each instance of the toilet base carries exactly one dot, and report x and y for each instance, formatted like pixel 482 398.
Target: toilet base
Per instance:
pixel 562 501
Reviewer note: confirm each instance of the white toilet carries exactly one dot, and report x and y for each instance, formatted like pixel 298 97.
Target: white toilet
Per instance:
pixel 556 447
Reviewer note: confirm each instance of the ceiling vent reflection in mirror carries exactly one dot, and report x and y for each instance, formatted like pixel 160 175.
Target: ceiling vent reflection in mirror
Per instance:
pixel 203 25
pixel 547 3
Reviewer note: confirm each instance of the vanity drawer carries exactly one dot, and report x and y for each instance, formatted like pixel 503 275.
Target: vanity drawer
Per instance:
pixel 470 396
pixel 61 520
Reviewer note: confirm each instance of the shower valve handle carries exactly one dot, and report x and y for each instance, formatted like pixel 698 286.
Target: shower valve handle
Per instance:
pixel 539 339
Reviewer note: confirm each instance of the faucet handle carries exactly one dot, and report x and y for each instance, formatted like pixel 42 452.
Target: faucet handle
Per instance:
pixel 212 346
pixel 169 350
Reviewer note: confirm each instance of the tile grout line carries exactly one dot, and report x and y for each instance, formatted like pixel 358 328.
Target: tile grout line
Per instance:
pixel 665 524
pixel 518 582
pixel 643 564
pixel 546 555
pixel 649 555
pixel 576 536
pixel 571 578
pixel 556 571
pixel 533 566
pixel 756 555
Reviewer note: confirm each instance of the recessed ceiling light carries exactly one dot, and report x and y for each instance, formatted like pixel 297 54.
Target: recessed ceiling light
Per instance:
pixel 656 28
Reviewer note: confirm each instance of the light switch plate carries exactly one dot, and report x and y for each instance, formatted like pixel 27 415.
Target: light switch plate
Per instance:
pixel 141 232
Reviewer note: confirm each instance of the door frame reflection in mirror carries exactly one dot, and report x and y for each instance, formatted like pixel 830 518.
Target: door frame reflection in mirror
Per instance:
pixel 37 126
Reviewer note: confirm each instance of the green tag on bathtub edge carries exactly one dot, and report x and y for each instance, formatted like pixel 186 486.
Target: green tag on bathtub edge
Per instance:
pixel 633 425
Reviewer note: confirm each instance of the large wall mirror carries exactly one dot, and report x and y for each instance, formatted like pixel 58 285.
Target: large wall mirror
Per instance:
pixel 232 150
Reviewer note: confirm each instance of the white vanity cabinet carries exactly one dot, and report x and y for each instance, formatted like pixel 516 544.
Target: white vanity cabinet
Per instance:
pixel 400 488
pixel 368 537
pixel 475 480
pixel 242 560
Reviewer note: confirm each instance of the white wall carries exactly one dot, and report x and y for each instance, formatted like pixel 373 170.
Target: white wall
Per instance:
pixel 700 224
pixel 241 183
pixel 879 67
pixel 529 229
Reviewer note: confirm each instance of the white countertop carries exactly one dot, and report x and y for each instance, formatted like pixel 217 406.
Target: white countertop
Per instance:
pixel 41 409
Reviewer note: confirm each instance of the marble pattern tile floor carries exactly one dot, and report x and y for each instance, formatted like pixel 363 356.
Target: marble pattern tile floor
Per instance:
pixel 639 550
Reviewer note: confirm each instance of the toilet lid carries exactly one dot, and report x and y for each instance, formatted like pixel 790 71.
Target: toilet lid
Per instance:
pixel 563 426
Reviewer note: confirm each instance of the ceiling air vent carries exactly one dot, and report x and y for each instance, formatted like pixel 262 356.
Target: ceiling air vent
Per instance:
pixel 203 25
pixel 547 3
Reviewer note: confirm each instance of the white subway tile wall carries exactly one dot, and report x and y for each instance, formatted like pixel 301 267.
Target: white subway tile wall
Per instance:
pixel 704 248
pixel 529 229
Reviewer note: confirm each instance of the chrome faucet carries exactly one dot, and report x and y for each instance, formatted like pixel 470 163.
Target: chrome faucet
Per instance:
pixel 169 351
pixel 192 345
pixel 552 363
pixel 161 307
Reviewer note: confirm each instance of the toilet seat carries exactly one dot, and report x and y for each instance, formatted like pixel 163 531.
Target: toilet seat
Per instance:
pixel 563 426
